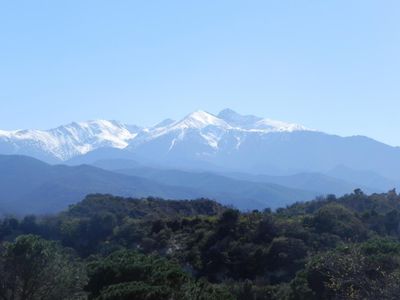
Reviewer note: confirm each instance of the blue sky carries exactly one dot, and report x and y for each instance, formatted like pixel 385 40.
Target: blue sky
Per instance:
pixel 330 65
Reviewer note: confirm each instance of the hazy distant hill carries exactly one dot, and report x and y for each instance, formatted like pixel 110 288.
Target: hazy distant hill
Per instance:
pixel 319 183
pixel 230 191
pixel 364 177
pixel 31 186
pixel 314 183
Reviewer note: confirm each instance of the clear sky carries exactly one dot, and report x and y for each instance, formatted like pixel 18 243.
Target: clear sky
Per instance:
pixel 332 65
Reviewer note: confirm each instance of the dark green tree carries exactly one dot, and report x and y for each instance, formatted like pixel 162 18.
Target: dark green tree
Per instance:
pixel 32 268
pixel 130 275
pixel 357 272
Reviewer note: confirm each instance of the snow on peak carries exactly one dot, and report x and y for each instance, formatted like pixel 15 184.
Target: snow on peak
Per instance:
pixel 93 133
pixel 203 128
pixel 208 128
pixel 67 141
pixel 4 133
pixel 200 119
pixel 273 125
pixel 250 122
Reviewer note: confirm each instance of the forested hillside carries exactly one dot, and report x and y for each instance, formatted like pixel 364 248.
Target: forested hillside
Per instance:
pixel 108 247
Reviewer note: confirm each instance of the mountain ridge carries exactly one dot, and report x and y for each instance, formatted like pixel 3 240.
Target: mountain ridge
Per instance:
pixel 28 185
pixel 227 141
pixel 78 138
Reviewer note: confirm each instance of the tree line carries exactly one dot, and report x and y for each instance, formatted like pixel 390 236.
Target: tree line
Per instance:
pixel 109 247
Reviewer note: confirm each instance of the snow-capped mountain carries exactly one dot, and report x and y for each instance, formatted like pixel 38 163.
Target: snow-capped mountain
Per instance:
pixel 208 132
pixel 230 141
pixel 201 140
pixel 67 141
pixel 206 126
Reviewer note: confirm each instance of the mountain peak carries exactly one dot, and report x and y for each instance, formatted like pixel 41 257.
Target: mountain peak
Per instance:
pixel 67 141
pixel 235 119
pixel 252 122
pixel 201 119
pixel 227 112
pixel 200 115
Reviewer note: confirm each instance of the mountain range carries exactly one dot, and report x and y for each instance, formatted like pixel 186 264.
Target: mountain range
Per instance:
pixel 243 160
pixel 207 134
pixel 202 140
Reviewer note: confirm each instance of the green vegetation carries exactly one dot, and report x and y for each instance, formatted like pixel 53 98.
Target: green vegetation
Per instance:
pixel 114 248
pixel 33 268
